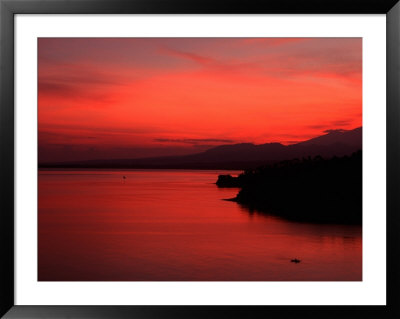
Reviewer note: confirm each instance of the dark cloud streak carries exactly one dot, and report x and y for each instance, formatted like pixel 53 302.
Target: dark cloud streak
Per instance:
pixel 335 131
pixel 193 140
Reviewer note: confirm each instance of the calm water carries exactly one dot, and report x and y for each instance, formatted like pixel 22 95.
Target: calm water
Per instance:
pixel 173 225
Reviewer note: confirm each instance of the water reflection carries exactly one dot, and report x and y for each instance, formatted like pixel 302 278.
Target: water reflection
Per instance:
pixel 174 225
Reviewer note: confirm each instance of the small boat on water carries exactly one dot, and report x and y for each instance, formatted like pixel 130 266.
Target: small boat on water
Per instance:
pixel 296 261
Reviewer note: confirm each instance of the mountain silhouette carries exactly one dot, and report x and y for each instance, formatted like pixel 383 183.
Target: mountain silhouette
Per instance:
pixel 352 137
pixel 238 156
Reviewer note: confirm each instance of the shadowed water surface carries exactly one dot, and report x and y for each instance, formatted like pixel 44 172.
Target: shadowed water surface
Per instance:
pixel 173 225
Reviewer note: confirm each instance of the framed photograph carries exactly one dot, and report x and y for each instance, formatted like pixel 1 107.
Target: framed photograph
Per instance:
pixel 198 160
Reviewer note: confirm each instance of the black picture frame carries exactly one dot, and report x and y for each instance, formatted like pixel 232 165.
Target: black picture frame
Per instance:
pixel 9 8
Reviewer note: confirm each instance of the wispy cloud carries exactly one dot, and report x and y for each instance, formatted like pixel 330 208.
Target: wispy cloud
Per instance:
pixel 335 131
pixel 274 41
pixel 193 140
pixel 342 122
pixel 331 126
pixel 188 56
pixel 317 126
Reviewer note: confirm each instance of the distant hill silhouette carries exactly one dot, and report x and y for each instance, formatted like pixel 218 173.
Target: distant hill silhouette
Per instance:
pixel 237 156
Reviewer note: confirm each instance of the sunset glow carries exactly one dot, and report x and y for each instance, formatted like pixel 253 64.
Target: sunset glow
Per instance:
pixel 142 97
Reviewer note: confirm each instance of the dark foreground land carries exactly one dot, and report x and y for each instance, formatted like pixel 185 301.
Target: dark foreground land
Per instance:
pixel 310 190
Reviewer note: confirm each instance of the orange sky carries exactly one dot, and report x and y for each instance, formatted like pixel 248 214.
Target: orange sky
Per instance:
pixel 139 97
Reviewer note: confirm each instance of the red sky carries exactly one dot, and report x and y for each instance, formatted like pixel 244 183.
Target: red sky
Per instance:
pixel 140 97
